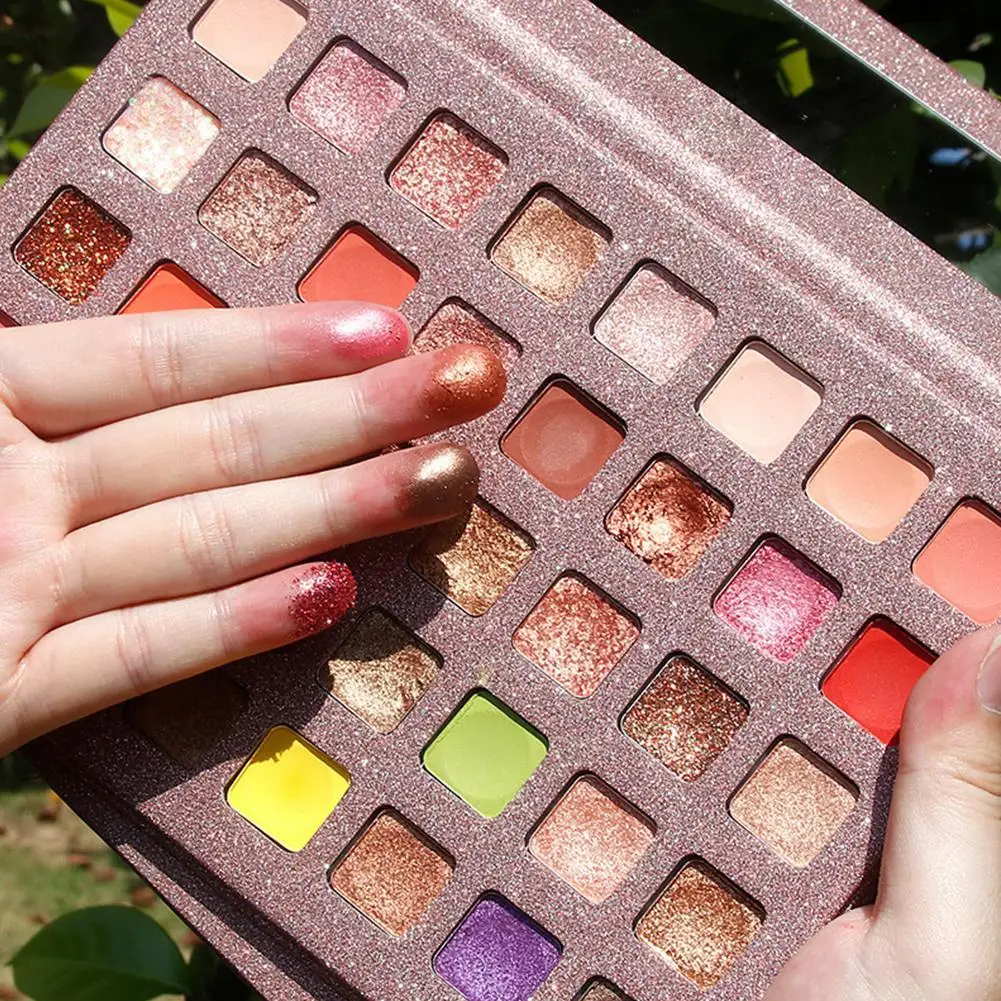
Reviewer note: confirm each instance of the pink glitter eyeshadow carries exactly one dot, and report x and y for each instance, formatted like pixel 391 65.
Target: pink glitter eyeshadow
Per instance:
pixel 455 322
pixel 448 171
pixel 777 600
pixel 161 134
pixel 348 96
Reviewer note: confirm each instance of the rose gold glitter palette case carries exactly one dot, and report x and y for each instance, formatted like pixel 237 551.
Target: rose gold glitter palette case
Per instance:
pixel 626 731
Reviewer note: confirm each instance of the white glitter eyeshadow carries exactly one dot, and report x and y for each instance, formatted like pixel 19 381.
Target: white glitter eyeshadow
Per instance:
pixel 161 134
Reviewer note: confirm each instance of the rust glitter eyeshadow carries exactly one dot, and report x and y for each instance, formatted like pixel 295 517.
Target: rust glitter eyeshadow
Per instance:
pixel 623 731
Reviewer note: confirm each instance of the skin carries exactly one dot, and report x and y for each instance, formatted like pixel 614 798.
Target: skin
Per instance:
pixel 143 461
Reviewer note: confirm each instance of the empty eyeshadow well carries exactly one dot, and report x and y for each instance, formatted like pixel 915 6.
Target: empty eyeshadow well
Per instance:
pixel 592 838
pixel 71 246
pixel 669 518
pixel 576 635
pixel 448 171
pixel 701 923
pixel 288 788
pixel 869 481
pixel 189 719
pixel 761 401
pixel 168 288
pixel 257 208
pixel 456 322
pixel 380 671
pixel 347 96
pixel 474 559
pixel 655 322
pixel 794 802
pixel 962 562
pixel 550 246
pixel 685 718
pixel 777 600
pixel 358 266
pixel 875 676
pixel 497 953
pixel 485 754
pixel 161 134
pixel 392 873
pixel 563 438
pixel 249 36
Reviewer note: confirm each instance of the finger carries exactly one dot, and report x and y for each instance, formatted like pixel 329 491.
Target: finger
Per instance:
pixel 206 541
pixel 941 882
pixel 96 662
pixel 278 432
pixel 66 377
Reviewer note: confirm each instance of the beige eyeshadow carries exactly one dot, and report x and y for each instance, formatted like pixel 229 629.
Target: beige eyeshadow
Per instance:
pixel 475 559
pixel 794 802
pixel 869 481
pixel 550 246
pixel 380 671
pixel 761 402
pixel 701 924
pixel 249 36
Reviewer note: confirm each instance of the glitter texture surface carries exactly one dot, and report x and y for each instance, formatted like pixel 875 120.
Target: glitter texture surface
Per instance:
pixel 576 635
pixel 793 803
pixel 71 246
pixel 449 171
pixel 699 925
pixel 347 97
pixel 258 207
pixel 600 991
pixel 321 596
pixel 550 247
pixel 592 839
pixel 380 671
pixel 456 322
pixel 161 134
pixel 473 560
pixel 685 718
pixel 669 518
pixel 655 323
pixel 392 874
pixel 497 953
pixel 777 600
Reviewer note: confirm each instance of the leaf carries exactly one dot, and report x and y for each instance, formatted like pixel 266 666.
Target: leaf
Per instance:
pixel 47 99
pixel 121 21
pixel 97 954
pixel 973 71
pixel 794 73
pixel 211 979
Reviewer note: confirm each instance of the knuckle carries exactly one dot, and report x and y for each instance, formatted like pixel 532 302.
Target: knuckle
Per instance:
pixel 224 622
pixel 234 442
pixel 161 360
pixel 205 539
pixel 330 501
pixel 133 651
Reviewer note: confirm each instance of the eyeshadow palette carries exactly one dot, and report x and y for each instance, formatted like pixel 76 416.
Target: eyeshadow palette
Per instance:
pixel 627 730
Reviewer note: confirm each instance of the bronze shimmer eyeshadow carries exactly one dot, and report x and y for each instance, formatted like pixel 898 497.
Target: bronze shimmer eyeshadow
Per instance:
pixel 624 729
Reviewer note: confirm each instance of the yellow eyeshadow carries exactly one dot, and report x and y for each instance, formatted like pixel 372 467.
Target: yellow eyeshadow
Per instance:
pixel 288 788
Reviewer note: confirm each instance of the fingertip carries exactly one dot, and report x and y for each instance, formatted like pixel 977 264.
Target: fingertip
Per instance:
pixel 437 482
pixel 319 596
pixel 466 381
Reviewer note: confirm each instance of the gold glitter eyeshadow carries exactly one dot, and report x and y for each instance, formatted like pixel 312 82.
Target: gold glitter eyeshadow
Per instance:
pixel 701 924
pixel 576 635
pixel 258 208
pixel 71 246
pixel 475 559
pixel 592 838
pixel 685 718
pixel 794 802
pixel 550 246
pixel 392 873
pixel 380 671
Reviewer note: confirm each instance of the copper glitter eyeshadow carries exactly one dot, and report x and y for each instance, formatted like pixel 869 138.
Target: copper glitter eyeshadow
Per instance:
pixel 625 728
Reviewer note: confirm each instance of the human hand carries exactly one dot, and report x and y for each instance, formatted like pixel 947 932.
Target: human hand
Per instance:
pixel 157 471
pixel 934 933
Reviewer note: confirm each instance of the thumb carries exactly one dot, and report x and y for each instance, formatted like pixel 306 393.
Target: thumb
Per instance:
pixel 940 888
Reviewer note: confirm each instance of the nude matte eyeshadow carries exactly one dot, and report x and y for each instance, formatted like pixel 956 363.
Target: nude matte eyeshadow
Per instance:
pixel 620 730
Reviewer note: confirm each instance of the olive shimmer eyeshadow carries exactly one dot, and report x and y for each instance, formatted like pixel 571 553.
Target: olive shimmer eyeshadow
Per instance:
pixel 623 731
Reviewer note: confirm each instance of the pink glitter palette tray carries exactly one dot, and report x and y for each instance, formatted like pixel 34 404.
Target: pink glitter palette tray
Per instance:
pixel 616 734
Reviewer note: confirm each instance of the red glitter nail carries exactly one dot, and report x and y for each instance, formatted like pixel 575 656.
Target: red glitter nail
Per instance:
pixel 321 596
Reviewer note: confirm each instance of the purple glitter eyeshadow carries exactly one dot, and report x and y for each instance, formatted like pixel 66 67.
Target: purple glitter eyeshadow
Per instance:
pixel 497 953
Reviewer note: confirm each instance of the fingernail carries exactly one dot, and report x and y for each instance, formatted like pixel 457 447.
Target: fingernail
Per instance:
pixel 321 596
pixel 989 682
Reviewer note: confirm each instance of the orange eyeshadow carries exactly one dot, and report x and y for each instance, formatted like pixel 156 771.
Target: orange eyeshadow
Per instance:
pixel 169 288
pixel 360 267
